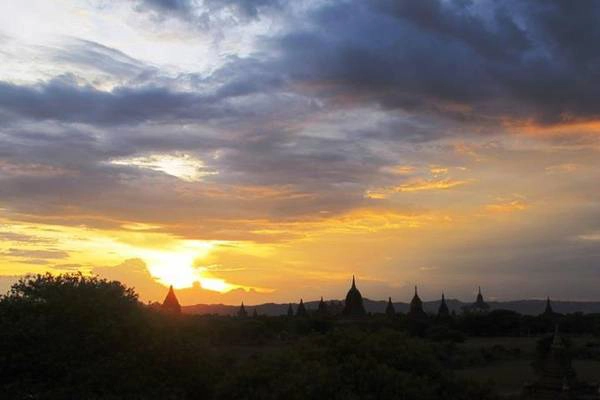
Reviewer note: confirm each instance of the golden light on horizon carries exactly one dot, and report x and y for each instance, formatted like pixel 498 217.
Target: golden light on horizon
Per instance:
pixel 176 267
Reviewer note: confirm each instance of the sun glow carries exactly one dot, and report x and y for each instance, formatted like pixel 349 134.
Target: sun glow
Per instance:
pixel 182 166
pixel 177 268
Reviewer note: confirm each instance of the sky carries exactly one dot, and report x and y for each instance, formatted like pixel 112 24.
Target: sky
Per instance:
pixel 267 150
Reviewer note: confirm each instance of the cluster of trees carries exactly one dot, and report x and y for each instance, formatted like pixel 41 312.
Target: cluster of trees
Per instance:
pixel 71 336
pixel 511 323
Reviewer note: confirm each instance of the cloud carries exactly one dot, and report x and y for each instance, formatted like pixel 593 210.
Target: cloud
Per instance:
pixel 115 66
pixel 68 267
pixel 592 237
pixel 208 13
pixel 416 185
pixel 494 59
pixel 563 168
pixel 62 99
pixel 36 254
pixel 23 238
pixel 309 111
pixel 134 273
pixel 182 166
pixel 442 184
pixel 507 206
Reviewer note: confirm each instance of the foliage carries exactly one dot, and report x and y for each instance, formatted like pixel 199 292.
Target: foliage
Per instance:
pixel 72 336
pixel 347 364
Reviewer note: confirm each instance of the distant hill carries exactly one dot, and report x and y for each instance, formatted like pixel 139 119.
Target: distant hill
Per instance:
pixel 527 307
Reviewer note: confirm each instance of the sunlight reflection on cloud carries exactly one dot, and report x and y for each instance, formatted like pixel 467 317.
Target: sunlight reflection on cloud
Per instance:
pixel 182 166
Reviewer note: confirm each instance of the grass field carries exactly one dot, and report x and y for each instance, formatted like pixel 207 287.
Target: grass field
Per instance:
pixel 508 376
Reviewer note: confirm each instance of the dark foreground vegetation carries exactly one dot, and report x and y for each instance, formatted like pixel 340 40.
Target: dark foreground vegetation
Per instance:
pixel 73 337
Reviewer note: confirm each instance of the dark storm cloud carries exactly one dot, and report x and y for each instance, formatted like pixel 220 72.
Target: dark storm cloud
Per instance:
pixel 522 60
pixel 516 59
pixel 62 99
pixel 469 61
pixel 170 5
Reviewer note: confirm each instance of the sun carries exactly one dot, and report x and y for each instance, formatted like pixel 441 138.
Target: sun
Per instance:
pixel 176 267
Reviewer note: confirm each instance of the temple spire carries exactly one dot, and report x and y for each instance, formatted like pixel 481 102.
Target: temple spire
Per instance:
pixel 480 306
pixel 171 304
pixel 549 310
pixel 557 378
pixel 416 307
pixel 322 308
pixel 301 311
pixel 443 311
pixel 242 313
pixel 353 306
pixel 390 311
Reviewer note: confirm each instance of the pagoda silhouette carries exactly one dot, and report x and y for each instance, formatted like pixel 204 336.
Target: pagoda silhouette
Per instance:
pixel 322 310
pixel 416 311
pixel 479 307
pixel 242 313
pixel 557 378
pixel 354 307
pixel 301 310
pixel 390 311
pixel 171 304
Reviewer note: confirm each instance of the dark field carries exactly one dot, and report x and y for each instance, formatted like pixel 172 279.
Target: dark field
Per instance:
pixel 507 374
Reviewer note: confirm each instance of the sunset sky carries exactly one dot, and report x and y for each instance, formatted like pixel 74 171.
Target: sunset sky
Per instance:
pixel 266 150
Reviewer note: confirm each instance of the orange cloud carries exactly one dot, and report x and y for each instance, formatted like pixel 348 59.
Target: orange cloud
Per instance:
pixel 437 171
pixel 430 184
pixel 506 207
pixel 562 168
pixel 568 126
pixel 418 185
pixel 399 169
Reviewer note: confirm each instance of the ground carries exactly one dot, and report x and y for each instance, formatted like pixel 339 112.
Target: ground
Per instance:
pixel 507 362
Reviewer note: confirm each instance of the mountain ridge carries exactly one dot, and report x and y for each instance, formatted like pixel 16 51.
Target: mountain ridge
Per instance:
pixel 525 307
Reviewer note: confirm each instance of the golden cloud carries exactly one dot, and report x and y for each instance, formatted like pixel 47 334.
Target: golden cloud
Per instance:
pixel 506 207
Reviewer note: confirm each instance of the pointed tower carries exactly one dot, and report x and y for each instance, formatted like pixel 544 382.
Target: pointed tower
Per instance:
pixel 479 296
pixel 290 311
pixel 557 378
pixel 416 307
pixel 548 312
pixel 322 308
pixel 443 311
pixel 171 304
pixel 390 311
pixel 242 313
pixel 480 306
pixel 353 306
pixel 301 311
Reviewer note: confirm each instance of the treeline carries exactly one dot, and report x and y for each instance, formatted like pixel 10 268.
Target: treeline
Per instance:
pixel 501 323
pixel 74 337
